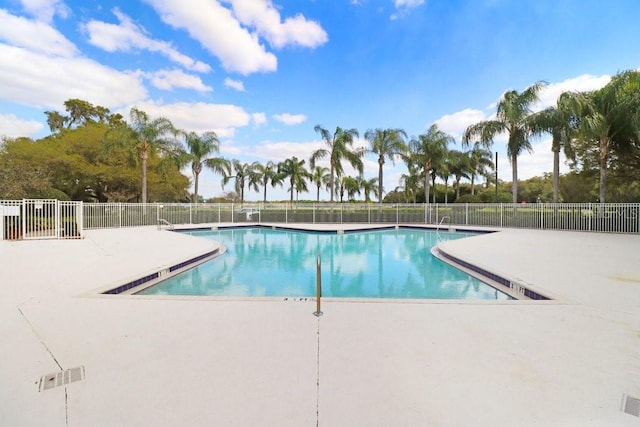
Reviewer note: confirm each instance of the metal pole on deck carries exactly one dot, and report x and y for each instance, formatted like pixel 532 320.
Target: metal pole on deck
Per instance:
pixel 318 313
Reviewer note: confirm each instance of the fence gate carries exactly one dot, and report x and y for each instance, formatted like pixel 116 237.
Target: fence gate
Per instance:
pixel 32 219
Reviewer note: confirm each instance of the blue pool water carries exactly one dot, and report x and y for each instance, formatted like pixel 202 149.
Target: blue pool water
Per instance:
pixel 373 264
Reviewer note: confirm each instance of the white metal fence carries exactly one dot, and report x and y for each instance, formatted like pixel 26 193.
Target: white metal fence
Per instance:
pixel 47 219
pixel 40 219
pixel 610 217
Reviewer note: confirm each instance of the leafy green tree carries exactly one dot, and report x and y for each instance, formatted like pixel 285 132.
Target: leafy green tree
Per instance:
pixel 23 169
pixel 80 113
pixel 199 151
pixel 293 168
pixel 607 119
pixel 512 117
pixel 386 143
pixel 320 177
pixel 339 147
pixel 429 151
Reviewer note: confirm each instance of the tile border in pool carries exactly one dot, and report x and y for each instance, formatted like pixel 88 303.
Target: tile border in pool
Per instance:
pixel 516 289
pixel 162 274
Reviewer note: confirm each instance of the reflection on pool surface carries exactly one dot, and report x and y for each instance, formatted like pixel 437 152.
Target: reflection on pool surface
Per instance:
pixel 372 264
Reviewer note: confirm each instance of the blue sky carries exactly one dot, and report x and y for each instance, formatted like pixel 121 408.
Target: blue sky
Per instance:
pixel 263 73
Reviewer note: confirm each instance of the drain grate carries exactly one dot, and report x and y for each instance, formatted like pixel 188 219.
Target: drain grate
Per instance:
pixel 61 378
pixel 631 405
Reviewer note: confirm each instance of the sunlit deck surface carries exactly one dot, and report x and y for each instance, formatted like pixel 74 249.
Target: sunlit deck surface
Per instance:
pixel 153 361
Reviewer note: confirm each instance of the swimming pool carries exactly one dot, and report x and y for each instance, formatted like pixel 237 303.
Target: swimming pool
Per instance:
pixel 282 263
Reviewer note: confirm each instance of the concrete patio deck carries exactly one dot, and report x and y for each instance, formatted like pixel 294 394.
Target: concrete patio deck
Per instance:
pixel 200 362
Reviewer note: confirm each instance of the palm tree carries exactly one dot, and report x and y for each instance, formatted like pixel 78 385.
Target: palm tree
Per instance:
pixel 351 186
pixel 338 148
pixel 479 161
pixel 244 174
pixel 605 117
pixel 369 186
pixel 427 151
pixel 386 143
pixel 200 147
pixel 268 173
pixel 294 169
pixel 444 173
pixel 157 135
pixel 511 117
pixel 459 167
pixel 320 176
pixel 560 122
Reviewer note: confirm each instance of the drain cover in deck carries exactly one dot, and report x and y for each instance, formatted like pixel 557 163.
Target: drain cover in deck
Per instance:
pixel 631 405
pixel 58 379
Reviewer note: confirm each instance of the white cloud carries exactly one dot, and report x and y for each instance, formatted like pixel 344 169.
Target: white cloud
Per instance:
pixel 259 119
pixel 290 119
pixel 262 15
pixel 223 119
pixel 219 32
pixel 404 6
pixel 13 127
pixel 534 165
pixel 455 124
pixel 234 84
pixel 279 151
pixel 35 79
pixel 169 79
pixel 583 83
pixel 34 35
pixel 127 36
pixel 45 10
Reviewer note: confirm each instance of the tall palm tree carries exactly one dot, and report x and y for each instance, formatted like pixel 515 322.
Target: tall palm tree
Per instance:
pixel 561 123
pixel 479 161
pixel 514 109
pixel 459 167
pixel 339 147
pixel 268 173
pixel 320 177
pixel 386 143
pixel 605 117
pixel 427 151
pixel 369 186
pixel 200 148
pixel 157 135
pixel 293 168
pixel 243 174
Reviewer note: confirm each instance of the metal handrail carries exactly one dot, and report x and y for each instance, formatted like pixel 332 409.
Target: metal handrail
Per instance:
pixel 165 222
pixel 318 313
pixel 442 220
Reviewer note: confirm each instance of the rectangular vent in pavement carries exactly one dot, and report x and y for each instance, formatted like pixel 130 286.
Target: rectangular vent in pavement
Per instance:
pixel 631 405
pixel 58 379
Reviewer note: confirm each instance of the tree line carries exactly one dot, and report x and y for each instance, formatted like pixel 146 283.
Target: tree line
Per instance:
pixel 95 155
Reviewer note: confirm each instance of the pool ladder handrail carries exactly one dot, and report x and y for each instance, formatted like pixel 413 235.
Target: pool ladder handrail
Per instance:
pixel 162 222
pixel 442 220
